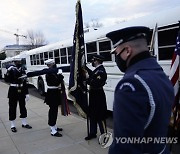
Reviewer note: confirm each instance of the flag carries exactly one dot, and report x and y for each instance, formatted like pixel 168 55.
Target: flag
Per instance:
pixel 77 82
pixel 64 102
pixel 174 77
pixel 174 71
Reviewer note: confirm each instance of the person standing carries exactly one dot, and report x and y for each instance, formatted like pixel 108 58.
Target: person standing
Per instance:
pixel 18 92
pixel 53 97
pixel 97 111
pixel 143 98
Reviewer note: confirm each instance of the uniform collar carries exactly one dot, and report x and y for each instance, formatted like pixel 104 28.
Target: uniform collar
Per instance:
pixel 139 57
pixel 143 63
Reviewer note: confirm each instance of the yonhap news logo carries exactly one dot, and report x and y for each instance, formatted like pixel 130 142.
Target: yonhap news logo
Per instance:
pixel 146 140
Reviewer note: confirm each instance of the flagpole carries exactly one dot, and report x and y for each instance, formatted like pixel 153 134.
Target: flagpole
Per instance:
pixel 87 115
pixel 77 81
pixel 153 39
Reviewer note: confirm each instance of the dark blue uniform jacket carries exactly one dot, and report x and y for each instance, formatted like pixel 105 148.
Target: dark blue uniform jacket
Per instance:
pixel 142 107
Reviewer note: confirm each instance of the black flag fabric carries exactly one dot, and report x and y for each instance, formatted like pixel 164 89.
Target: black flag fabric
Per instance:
pixel 77 82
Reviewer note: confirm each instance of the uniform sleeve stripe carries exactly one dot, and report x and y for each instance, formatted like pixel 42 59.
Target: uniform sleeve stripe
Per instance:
pixel 151 100
pixel 127 84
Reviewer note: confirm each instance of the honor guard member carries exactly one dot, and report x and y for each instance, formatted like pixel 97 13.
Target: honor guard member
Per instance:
pixel 143 98
pixel 97 99
pixel 18 92
pixel 53 97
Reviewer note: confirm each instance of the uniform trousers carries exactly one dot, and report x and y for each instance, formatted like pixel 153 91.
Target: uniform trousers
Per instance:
pixel 93 126
pixel 13 106
pixel 52 115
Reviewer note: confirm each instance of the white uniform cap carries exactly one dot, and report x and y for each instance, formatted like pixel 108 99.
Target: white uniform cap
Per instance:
pixel 49 61
pixel 17 59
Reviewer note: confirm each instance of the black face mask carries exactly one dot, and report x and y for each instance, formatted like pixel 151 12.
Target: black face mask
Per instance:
pixel 93 64
pixel 121 63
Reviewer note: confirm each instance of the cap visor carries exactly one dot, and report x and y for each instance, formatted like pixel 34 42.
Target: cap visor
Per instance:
pixel 113 50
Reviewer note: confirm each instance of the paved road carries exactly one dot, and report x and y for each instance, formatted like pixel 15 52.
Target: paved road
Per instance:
pixel 33 91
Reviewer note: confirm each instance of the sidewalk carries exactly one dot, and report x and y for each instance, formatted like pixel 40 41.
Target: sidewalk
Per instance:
pixel 38 139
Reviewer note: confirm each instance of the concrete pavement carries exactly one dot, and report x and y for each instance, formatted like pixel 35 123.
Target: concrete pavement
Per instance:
pixel 38 139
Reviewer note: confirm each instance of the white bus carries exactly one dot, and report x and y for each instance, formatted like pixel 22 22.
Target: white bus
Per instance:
pixel 9 61
pixel 97 43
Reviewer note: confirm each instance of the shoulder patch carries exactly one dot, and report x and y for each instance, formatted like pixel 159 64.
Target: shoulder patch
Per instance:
pixel 127 84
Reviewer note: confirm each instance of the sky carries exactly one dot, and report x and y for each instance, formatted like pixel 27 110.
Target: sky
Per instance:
pixel 56 18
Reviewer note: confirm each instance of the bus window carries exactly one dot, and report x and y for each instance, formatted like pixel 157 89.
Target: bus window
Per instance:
pixel 34 59
pixel 166 53
pixel 167 41
pixel 69 49
pixel 24 63
pixel 105 49
pixel 63 60
pixel 51 55
pixel 45 56
pixel 63 56
pixel 167 37
pixel 63 52
pixel 31 59
pixel 91 48
pixel 41 59
pixel 56 55
pixel 37 59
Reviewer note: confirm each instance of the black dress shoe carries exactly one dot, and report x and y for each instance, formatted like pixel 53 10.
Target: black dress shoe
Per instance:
pixel 90 137
pixel 57 134
pixel 26 126
pixel 13 129
pixel 59 129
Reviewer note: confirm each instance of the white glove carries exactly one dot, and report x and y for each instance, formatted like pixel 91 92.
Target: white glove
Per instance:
pixel 27 98
pixel 23 76
pixel 59 71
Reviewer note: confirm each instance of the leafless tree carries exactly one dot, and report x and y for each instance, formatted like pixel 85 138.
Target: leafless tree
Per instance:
pixel 94 23
pixel 36 39
pixel 86 25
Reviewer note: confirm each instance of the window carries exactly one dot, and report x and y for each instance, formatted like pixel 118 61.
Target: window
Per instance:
pixel 166 53
pixel 167 40
pixel 63 56
pixel 24 63
pixel 34 59
pixel 63 52
pixel 105 49
pixel 69 49
pixel 91 48
pixel 45 55
pixel 37 59
pixel 56 56
pixel 31 59
pixel 41 59
pixel 167 37
pixel 56 53
pixel 51 55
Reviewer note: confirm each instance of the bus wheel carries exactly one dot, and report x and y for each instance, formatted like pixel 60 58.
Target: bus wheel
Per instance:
pixel 41 87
